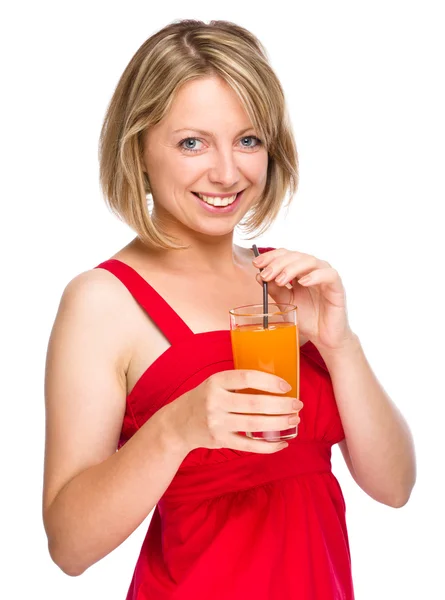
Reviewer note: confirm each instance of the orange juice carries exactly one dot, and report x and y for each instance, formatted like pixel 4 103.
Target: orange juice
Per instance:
pixel 273 350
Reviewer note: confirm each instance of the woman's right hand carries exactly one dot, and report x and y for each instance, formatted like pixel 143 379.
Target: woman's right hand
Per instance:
pixel 210 415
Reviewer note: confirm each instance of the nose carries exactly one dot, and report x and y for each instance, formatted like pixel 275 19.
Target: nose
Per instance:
pixel 224 171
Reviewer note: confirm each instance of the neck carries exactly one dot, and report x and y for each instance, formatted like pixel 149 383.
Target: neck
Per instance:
pixel 205 255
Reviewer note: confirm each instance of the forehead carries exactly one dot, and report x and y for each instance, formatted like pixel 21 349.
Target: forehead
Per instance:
pixel 207 104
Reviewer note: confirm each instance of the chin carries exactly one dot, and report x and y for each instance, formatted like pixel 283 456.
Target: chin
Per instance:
pixel 217 230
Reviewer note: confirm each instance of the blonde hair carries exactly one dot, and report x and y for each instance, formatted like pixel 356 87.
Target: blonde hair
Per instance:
pixel 183 51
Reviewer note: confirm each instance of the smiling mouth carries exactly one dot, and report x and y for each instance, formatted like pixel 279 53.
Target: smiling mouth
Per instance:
pixel 217 200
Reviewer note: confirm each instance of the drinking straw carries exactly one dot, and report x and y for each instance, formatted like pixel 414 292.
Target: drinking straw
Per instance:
pixel 265 295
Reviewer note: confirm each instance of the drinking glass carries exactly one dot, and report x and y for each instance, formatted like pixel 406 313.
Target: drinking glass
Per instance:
pixel 268 342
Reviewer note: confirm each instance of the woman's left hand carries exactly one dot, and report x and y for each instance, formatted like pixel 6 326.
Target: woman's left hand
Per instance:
pixel 317 291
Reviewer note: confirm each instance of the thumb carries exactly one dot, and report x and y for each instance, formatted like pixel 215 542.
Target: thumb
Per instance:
pixel 280 294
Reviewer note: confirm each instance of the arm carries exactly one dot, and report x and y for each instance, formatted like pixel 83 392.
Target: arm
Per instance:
pixel 93 496
pixel 378 446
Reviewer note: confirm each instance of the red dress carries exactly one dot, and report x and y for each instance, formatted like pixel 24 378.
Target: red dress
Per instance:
pixel 234 525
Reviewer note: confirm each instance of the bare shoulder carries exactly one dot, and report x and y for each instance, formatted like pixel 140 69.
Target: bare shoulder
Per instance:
pixel 96 284
pixel 85 383
pixel 98 299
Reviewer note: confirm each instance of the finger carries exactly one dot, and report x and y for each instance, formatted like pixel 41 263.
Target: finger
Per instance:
pixel 266 257
pixel 272 285
pixel 327 275
pixel 279 294
pixel 240 379
pixel 281 255
pixel 287 268
pixel 282 296
pixel 260 422
pixel 261 404
pixel 246 444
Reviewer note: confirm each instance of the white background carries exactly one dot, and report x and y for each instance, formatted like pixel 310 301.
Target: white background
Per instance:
pixel 364 85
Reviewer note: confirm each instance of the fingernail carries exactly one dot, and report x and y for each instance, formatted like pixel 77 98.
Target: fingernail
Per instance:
pixel 305 279
pixel 266 272
pixel 285 386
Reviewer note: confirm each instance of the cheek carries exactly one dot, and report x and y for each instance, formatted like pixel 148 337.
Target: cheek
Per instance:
pixel 172 172
pixel 186 172
pixel 258 168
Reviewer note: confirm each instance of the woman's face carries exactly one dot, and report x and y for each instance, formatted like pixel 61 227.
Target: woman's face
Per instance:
pixel 182 160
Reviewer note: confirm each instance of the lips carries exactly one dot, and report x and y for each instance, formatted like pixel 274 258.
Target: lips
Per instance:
pixel 216 195
pixel 220 209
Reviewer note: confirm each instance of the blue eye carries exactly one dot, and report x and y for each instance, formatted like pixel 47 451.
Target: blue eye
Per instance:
pixel 187 149
pixel 252 137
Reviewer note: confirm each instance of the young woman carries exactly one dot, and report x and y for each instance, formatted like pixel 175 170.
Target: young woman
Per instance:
pixel 140 358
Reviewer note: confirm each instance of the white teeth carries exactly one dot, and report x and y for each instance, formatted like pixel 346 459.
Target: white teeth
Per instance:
pixel 217 201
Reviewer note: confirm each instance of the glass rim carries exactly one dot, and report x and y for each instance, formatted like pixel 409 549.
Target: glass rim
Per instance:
pixel 291 307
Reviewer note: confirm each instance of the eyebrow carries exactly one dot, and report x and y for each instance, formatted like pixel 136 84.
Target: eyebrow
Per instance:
pixel 202 132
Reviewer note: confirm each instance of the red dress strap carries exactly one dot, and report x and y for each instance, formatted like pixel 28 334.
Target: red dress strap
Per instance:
pixel 168 321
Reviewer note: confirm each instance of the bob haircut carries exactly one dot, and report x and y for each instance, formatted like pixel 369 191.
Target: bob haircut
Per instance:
pixel 180 52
